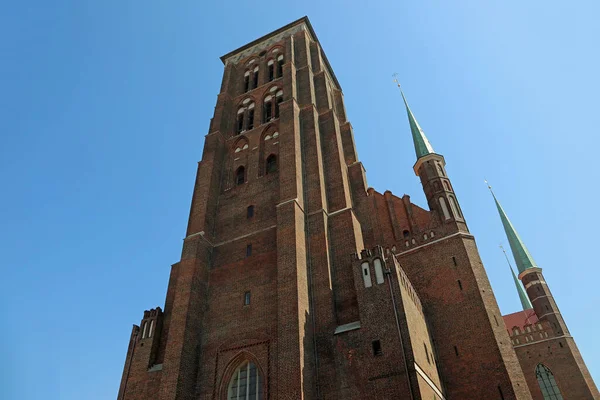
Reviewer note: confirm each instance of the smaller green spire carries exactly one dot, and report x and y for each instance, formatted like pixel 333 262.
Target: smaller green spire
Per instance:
pixel 522 295
pixel 520 253
pixel 422 145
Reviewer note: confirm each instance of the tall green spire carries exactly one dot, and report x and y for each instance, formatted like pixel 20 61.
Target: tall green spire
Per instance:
pixel 522 257
pixel 422 145
pixel 522 295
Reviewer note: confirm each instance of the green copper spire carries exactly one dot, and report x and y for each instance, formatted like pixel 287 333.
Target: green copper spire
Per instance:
pixel 519 251
pixel 522 295
pixel 422 145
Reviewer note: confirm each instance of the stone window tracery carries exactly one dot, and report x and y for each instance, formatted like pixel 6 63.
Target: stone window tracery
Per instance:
pixel 246 383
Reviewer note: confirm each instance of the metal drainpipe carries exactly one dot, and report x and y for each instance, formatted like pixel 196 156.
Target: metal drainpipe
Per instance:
pixel 388 272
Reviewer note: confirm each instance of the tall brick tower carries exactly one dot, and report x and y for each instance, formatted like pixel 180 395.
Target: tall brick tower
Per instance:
pixel 549 357
pixel 297 280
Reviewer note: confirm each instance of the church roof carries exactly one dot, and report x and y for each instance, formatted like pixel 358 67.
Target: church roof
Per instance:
pixel 520 319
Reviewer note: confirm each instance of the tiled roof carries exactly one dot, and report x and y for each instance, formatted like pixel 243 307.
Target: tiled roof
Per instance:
pixel 520 319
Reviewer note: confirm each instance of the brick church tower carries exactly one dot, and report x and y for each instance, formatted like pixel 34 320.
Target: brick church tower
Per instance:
pixel 297 280
pixel 549 357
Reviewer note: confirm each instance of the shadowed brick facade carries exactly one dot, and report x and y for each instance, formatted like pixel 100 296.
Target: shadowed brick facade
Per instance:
pixel 295 272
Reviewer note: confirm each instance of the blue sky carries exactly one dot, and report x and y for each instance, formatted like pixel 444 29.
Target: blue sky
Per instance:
pixel 104 109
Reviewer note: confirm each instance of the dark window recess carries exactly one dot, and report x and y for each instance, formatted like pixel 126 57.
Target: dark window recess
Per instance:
pixel 251 119
pixel 240 122
pixel 560 344
pixel 496 319
pixel 376 348
pixel 246 83
pixel 271 72
pixel 547 309
pixel 454 261
pixel 240 176
pixel 456 350
pixel 460 284
pixel 366 272
pixel 247 298
pixel 406 234
pixel 277 102
pixel 280 68
pixel 248 250
pixel 271 164
pixel 501 394
pixel 255 80
pixel 250 212
pixel 268 110
pixel 426 353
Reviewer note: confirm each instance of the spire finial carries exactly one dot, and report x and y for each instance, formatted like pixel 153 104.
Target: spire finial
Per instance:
pixel 422 145
pixel 522 295
pixel 523 259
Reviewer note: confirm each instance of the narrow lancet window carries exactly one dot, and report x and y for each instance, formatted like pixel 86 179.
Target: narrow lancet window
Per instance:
pixel 444 207
pixel 246 383
pixel 547 383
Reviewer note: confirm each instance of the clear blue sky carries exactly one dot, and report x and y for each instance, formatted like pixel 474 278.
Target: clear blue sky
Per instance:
pixel 104 108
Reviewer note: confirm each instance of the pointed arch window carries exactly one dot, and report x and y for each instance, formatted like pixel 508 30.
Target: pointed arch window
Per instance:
pixel 280 66
pixel 547 383
pixel 271 164
pixel 245 117
pixel 246 383
pixel 246 81
pixel 271 70
pixel 454 207
pixel 444 207
pixel 255 77
pixel 240 176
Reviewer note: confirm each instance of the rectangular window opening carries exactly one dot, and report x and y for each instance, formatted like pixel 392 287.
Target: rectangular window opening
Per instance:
pixel 248 250
pixel 426 353
pixel 247 298
pixel 250 212
pixel 454 261
pixel 460 284
pixel 456 350
pixel 376 347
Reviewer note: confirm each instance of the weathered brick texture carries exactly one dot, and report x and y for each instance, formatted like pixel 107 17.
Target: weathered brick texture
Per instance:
pixel 272 270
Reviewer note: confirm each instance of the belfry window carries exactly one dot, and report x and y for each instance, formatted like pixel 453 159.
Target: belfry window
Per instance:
pixel 280 66
pixel 255 78
pixel 547 383
pixel 271 105
pixel 240 176
pixel 246 383
pixel 271 68
pixel 271 165
pixel 245 117
pixel 246 81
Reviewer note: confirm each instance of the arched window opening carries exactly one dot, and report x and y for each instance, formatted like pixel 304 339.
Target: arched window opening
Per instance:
pixel 240 176
pixel 271 105
pixel 444 207
pixel 280 66
pixel 378 271
pixel 245 117
pixel 271 165
pixel 246 383
pixel 268 109
pixel 271 68
pixel 366 274
pixel 246 81
pixel 547 383
pixel 440 169
pixel 151 328
pixel 406 233
pixel 255 78
pixel 144 327
pixel 454 207
pixel 278 100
